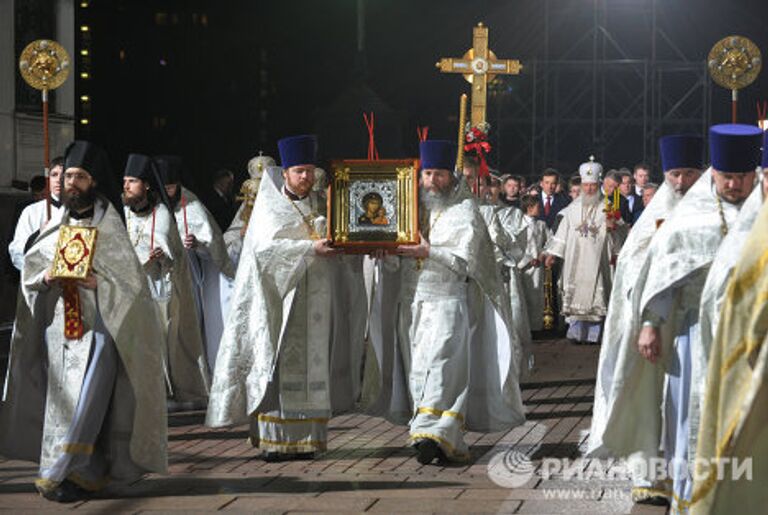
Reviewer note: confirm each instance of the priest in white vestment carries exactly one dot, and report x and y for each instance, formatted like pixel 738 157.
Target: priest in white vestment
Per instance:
pixel 734 421
pixel 587 240
pixel 84 394
pixel 421 331
pixel 508 252
pixel 155 238
pixel 205 246
pixel 621 367
pixel 678 261
pixel 35 216
pixel 275 359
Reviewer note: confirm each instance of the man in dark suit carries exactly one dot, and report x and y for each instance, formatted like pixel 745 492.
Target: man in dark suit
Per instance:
pixel 635 204
pixel 551 203
pixel 219 199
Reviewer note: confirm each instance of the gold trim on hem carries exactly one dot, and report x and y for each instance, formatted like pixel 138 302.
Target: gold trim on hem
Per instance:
pixel 640 493
pixel 77 448
pixel 441 413
pixel 293 446
pixel 452 454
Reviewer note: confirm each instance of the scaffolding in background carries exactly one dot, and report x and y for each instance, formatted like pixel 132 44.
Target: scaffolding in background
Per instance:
pixel 610 93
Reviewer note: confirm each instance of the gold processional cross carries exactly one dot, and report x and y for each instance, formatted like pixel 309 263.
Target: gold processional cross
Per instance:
pixel 479 65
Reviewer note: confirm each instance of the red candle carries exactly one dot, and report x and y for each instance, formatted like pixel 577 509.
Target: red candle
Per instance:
pixel 184 209
pixel 152 236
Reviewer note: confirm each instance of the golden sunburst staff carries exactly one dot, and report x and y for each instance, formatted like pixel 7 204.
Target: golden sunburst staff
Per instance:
pixel 44 65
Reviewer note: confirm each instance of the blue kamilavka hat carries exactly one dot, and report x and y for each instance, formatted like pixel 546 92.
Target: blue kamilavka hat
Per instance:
pixel 298 150
pixel 682 151
pixel 438 154
pixel 735 147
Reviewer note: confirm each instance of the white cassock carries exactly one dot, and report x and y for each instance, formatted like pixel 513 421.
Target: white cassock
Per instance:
pixel 535 233
pixel 171 286
pixel 586 248
pixel 93 408
pixel 30 221
pixel 712 298
pixel 420 330
pixel 233 241
pixel 654 411
pixel 508 251
pixel 283 337
pixel 620 364
pixel 734 421
pixel 208 261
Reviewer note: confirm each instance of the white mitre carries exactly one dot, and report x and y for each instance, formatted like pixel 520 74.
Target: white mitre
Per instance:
pixel 590 171
pixel 319 179
pixel 258 164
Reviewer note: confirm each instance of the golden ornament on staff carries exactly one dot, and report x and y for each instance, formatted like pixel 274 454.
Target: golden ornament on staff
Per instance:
pixel 44 65
pixel 734 63
pixel 480 66
pixel 462 131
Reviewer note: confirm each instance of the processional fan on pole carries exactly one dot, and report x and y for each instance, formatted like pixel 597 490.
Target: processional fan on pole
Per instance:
pixel 734 63
pixel 44 65
pixel 480 66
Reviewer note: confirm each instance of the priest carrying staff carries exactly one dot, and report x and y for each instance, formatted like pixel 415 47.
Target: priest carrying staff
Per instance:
pixel 205 246
pixel 274 364
pixel 85 394
pixel 450 387
pixel 587 240
pixel 155 239
pixel 34 217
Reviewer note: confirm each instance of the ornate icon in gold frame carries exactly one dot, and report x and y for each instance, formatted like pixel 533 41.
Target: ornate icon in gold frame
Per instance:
pixel 373 204
pixel 74 252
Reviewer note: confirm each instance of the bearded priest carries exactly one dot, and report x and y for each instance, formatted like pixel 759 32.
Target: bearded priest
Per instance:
pixel 152 230
pixel 84 394
pixel 207 252
pixel 450 386
pixel 274 364
pixel 622 372
pixel 678 262
pixel 587 240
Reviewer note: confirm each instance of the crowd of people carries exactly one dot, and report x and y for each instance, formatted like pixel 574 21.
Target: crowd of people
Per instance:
pixel 252 313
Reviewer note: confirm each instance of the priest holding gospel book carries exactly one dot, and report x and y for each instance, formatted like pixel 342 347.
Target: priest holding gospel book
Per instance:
pixel 85 394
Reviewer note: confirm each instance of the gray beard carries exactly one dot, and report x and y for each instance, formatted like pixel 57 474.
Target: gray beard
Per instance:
pixel 590 200
pixel 434 200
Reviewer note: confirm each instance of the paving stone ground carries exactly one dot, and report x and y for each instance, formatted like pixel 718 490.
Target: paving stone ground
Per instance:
pixel 368 467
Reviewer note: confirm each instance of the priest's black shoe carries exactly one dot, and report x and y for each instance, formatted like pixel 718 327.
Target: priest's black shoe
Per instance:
pixel 429 451
pixel 65 492
pixel 654 500
pixel 274 456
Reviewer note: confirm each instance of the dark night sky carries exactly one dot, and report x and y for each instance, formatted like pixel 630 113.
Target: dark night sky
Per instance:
pixel 257 70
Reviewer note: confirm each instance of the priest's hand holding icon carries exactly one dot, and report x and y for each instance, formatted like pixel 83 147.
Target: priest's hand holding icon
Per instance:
pixel 89 283
pixel 420 251
pixel 649 343
pixel 378 254
pixel 49 279
pixel 323 248
pixel 549 260
pixel 190 241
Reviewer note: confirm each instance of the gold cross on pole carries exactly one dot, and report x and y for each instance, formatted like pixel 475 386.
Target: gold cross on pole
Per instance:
pixel 479 66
